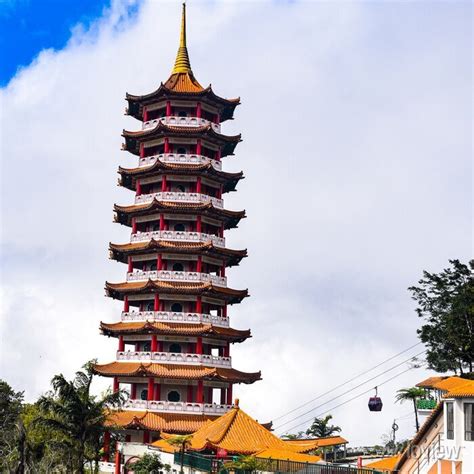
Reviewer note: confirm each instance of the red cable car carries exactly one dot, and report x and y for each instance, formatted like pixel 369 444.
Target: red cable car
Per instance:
pixel 375 403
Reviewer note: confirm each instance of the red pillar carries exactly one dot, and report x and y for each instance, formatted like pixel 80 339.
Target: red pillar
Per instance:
pixel 198 184
pixel 118 459
pixel 167 145
pixel 139 187
pixel 159 262
pixel 198 110
pixel 189 396
pixel 227 350
pixel 223 396
pixel 199 345
pixel 223 271
pixel 218 118
pixel 126 304
pixel 151 382
pixel 198 147
pixel 145 114
pixel 218 155
pixel 130 265
pixel 163 184
pixel 133 391
pixel 134 225
pixel 157 391
pixel 162 222
pixel 168 108
pixel 224 311
pixel 116 385
pixel 229 395
pixel 198 305
pixel 209 394
pixel 198 224
pixel 199 264
pixel 200 392
pixel 142 150
pixel 156 302
pixel 106 455
pixel 146 437
pixel 154 343
pixel 121 344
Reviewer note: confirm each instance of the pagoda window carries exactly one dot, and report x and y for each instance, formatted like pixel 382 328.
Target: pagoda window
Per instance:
pixel 144 394
pixel 179 227
pixel 180 188
pixel 177 308
pixel 182 113
pixel 153 267
pixel 149 307
pixel 147 346
pixel 174 396
pixel 178 267
pixel 181 150
pixel 176 348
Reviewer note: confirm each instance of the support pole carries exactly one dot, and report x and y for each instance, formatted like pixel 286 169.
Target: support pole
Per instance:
pixel 118 459
pixel 151 382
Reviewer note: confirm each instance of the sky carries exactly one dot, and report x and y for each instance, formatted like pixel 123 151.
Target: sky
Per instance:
pixel 356 124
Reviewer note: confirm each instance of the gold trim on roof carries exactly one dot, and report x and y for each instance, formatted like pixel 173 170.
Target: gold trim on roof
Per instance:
pixel 182 63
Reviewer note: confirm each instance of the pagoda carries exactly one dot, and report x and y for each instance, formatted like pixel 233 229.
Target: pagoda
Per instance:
pixel 174 336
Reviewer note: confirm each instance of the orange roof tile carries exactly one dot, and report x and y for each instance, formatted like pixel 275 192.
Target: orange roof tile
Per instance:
pixel 463 390
pixel 306 445
pixel 169 422
pixel 237 432
pixel 386 464
pixel 174 328
pixel 429 382
pixel 175 371
pixel 283 455
pixel 183 82
pixel 449 383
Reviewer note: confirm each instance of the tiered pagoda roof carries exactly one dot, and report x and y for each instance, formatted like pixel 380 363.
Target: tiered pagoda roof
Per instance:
pixel 128 176
pixel 124 214
pixel 171 329
pixel 119 290
pixel 175 371
pixel 134 139
pixel 121 252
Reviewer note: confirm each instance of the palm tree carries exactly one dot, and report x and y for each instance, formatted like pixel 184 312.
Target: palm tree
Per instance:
pixel 321 428
pixel 412 394
pixel 79 416
pixel 183 441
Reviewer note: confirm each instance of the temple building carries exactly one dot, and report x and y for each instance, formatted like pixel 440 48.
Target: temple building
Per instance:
pixel 174 337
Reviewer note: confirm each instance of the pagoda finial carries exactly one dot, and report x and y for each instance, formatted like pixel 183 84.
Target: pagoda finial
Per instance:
pixel 182 63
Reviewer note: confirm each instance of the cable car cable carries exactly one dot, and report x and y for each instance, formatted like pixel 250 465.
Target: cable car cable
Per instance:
pixel 351 389
pixel 347 401
pixel 347 381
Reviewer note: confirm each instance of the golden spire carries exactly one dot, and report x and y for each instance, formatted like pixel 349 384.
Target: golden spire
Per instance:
pixel 182 63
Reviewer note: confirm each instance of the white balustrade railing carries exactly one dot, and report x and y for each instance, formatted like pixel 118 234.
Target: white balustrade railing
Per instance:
pixel 177 407
pixel 175 317
pixel 106 466
pixel 184 158
pixel 179 197
pixel 174 358
pixel 178 236
pixel 181 122
pixel 170 275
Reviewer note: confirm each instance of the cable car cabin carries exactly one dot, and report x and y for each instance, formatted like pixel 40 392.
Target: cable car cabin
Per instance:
pixel 375 404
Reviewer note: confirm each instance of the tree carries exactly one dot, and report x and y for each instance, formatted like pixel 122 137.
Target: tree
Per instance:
pixel 246 464
pixel 78 416
pixel 183 442
pixel 148 463
pixel 446 303
pixel 299 435
pixel 411 394
pixel 321 428
pixel 11 454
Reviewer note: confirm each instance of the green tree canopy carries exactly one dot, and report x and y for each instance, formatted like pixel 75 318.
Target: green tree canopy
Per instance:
pixel 148 463
pixel 446 303
pixel 321 428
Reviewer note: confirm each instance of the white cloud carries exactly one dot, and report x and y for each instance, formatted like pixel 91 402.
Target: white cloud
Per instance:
pixel 355 119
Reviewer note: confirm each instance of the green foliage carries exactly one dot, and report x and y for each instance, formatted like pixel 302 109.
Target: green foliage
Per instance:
pixel 322 429
pixel 183 442
pixel 148 463
pixel 446 303
pixel 10 426
pixel 411 394
pixel 246 464
pixel 299 435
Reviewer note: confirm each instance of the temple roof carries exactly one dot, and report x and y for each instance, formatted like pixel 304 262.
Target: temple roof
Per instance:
pixel 385 464
pixel 175 371
pixel 148 327
pixel 128 176
pixel 182 83
pixel 307 445
pixel 230 219
pixel 169 422
pixel 442 383
pixel 462 390
pixel 121 252
pixel 237 432
pixel 133 139
pixel 118 290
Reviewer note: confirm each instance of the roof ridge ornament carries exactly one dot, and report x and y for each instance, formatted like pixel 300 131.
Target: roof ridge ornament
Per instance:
pixel 182 64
